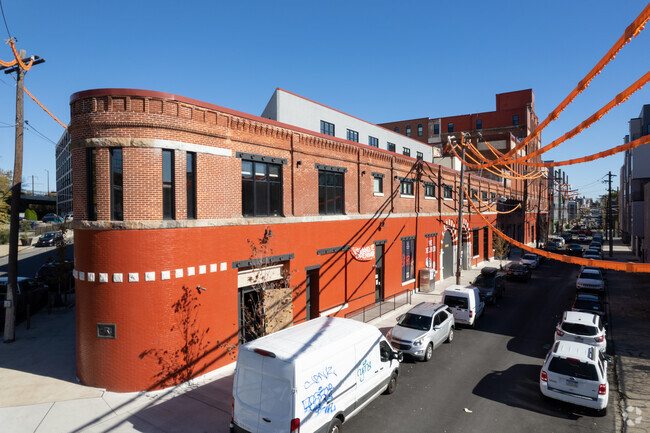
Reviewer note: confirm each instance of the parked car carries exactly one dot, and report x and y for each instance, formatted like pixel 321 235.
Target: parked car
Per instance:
pixel 490 284
pixel 574 250
pixel 592 252
pixel 566 236
pixel 582 327
pixel 552 247
pixel 57 275
pixel 311 376
pixel 575 373
pixel 591 280
pixel 561 243
pixel 531 260
pixel 29 292
pixel 422 329
pixel 582 237
pixel 465 303
pixel 590 303
pixel 518 270
pixel 52 218
pixel 49 239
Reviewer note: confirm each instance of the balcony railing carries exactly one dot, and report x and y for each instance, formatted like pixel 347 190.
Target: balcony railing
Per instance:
pixel 373 311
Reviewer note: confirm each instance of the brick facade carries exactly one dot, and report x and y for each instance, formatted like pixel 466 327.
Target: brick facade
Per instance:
pixel 130 273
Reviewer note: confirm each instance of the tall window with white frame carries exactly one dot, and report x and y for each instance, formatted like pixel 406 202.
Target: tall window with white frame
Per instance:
pixel 406 151
pixel 447 192
pixel 377 184
pixel 373 141
pixel 190 182
pixel 419 130
pixel 117 183
pixel 406 187
pixel 429 190
pixel 261 189
pixel 390 146
pixel 91 178
pixel 353 135
pixel 331 192
pixel 326 128
pixel 168 185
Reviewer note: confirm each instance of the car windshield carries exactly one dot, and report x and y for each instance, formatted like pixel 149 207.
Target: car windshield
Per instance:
pixel 415 321
pixel 590 276
pixel 573 368
pixel 48 235
pixel 484 282
pixel 579 329
pixel 529 257
pixel 455 301
pixel 587 305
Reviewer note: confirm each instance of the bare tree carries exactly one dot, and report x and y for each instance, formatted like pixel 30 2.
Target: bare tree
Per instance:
pixel 501 248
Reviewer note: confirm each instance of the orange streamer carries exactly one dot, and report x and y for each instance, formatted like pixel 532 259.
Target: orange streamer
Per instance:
pixel 46 110
pixel 616 266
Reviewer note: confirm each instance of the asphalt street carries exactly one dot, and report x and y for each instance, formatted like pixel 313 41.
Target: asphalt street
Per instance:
pixel 486 380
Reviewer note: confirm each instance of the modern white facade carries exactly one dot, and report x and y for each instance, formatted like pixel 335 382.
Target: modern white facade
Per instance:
pixel 63 175
pixel 634 176
pixel 292 109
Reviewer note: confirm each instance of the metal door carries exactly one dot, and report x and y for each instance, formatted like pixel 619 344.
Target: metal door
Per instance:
pixel 447 255
pixel 379 273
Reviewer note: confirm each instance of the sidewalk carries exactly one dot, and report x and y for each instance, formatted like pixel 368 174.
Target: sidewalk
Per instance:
pixel 40 393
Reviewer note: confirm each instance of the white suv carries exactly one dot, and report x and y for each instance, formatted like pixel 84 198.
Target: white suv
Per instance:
pixel 422 329
pixel 582 327
pixel 590 280
pixel 575 373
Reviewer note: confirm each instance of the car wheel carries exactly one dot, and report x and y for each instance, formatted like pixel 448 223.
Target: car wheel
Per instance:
pixel 428 353
pixel 602 412
pixel 450 336
pixel 335 426
pixel 392 384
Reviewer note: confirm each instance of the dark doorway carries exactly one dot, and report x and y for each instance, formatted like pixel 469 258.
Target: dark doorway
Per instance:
pixel 379 273
pixel 447 255
pixel 249 314
pixel 485 244
pixel 312 293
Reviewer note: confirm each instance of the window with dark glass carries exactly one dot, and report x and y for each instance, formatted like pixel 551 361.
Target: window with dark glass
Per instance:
pixel 430 190
pixel 168 185
pixel 117 206
pixel 484 195
pixel 436 129
pixel 474 194
pixel 372 141
pixel 475 242
pixel 91 178
pixel 353 135
pixel 326 128
pixel 420 155
pixel 391 146
pixel 406 151
pixel 408 262
pixel 450 127
pixel 479 124
pixel 331 192
pixel 419 130
pixel 377 185
pixel 515 120
pixel 447 191
pixel 261 189
pixel 397 129
pixel 190 182
pixel 493 196
pixel 408 131
pixel 406 187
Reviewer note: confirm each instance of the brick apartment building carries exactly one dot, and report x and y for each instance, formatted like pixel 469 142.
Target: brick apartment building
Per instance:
pixel 169 192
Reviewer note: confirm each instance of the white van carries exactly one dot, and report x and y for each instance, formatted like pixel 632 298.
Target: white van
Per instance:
pixel 465 303
pixel 311 377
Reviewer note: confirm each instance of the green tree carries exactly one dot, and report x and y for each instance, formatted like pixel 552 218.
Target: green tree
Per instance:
pixel 6 179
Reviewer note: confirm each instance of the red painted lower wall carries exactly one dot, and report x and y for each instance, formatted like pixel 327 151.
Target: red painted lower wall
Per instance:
pixel 155 338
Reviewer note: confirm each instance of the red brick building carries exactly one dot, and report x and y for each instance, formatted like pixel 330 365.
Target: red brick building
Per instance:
pixel 168 191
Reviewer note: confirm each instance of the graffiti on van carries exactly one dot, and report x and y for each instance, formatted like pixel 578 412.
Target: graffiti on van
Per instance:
pixel 363 369
pixel 320 400
pixel 320 377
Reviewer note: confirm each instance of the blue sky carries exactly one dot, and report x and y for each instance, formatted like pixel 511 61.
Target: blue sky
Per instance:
pixel 377 60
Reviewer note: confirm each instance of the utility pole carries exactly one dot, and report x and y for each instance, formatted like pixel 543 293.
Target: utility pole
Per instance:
pixel 609 214
pixel 12 277
pixel 461 195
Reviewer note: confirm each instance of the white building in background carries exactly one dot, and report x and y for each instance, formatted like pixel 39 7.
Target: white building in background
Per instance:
pixel 634 176
pixel 572 210
pixel 63 175
pixel 292 109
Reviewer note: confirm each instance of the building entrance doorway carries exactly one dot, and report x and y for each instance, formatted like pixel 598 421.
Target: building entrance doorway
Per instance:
pixel 447 255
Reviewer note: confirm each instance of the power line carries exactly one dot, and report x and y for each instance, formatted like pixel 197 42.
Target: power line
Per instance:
pixel 5 19
pixel 31 128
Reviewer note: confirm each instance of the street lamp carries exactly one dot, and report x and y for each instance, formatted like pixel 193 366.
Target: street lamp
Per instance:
pixel 48 181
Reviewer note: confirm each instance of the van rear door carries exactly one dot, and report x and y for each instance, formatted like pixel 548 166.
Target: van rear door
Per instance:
pixel 263 393
pixel 459 306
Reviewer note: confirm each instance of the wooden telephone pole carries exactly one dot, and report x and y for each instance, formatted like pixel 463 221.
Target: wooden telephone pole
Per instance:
pixel 12 280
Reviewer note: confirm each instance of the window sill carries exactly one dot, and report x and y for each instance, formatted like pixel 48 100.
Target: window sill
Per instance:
pixel 407 196
pixel 378 194
pixel 407 282
pixel 429 198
